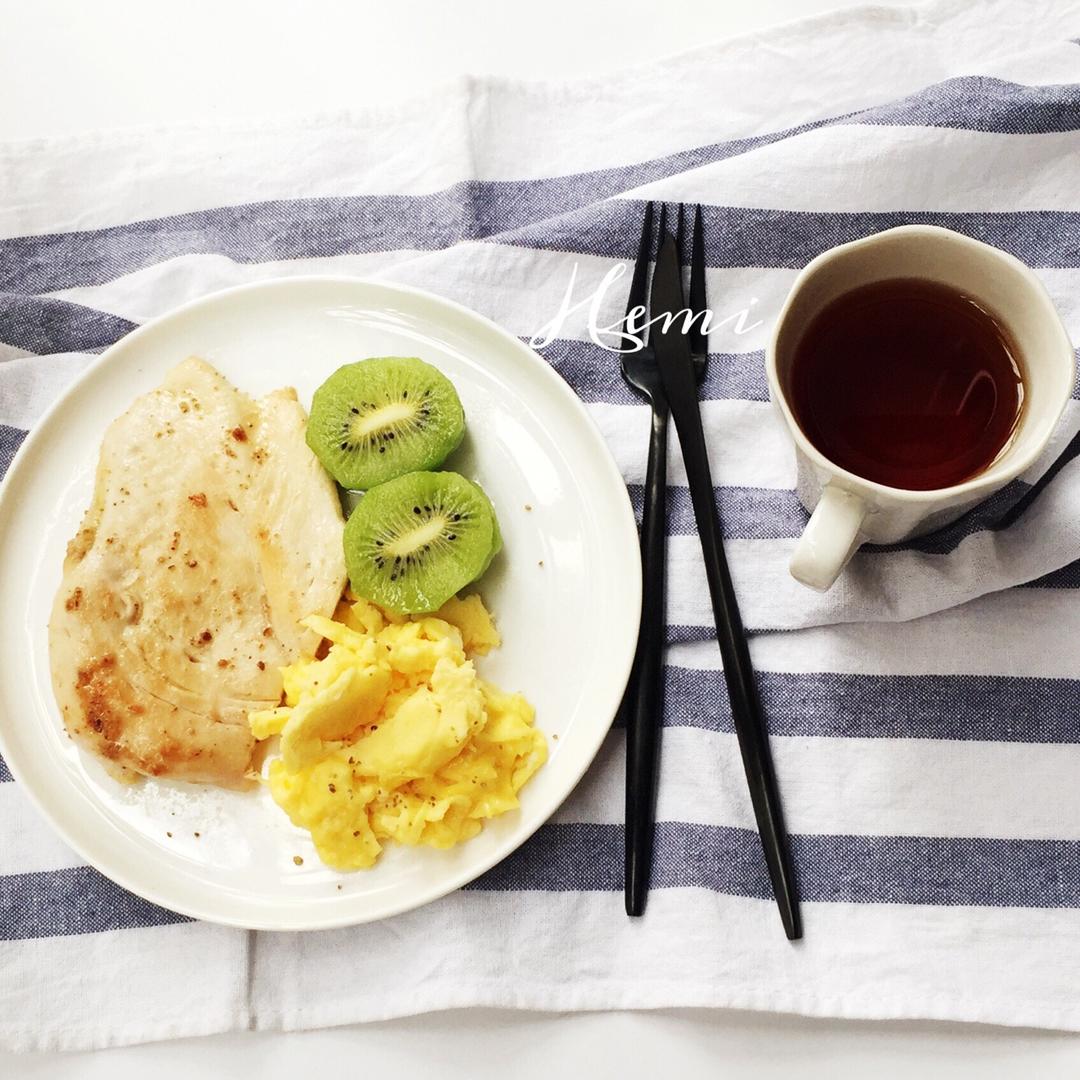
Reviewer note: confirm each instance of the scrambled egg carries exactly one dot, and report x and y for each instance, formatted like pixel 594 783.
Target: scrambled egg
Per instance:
pixel 393 736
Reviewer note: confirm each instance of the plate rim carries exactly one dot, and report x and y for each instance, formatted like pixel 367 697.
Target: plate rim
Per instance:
pixel 287 924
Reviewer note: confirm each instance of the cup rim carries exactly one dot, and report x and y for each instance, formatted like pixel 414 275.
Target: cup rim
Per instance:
pixel 1006 467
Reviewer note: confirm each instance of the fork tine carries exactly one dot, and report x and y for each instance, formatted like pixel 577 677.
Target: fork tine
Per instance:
pixel 639 282
pixel 679 236
pixel 662 228
pixel 698 303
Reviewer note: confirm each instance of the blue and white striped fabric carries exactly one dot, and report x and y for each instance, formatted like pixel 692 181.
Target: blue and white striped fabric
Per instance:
pixel 925 715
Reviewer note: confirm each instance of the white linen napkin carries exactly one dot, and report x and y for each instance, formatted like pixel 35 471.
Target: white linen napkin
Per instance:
pixel 923 713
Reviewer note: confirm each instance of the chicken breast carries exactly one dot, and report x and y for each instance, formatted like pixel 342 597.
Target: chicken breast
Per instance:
pixel 213 530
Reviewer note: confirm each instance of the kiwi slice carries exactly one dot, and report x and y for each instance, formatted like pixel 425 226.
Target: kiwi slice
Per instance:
pixel 378 419
pixel 413 542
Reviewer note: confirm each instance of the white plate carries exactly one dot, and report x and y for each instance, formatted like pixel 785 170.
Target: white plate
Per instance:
pixel 566 596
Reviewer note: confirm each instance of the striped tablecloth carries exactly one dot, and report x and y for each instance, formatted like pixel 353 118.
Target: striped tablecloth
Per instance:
pixel 923 714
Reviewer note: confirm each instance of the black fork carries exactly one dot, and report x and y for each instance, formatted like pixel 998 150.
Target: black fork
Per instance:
pixel 643 703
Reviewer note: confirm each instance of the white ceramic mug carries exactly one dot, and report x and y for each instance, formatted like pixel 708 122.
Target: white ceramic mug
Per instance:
pixel 848 510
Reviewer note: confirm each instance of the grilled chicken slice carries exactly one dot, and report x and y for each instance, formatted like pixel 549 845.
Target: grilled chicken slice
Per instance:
pixel 213 530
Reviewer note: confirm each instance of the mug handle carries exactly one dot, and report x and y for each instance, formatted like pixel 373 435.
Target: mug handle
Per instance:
pixel 830 538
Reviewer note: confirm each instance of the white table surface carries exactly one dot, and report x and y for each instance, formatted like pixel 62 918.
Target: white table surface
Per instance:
pixel 69 66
